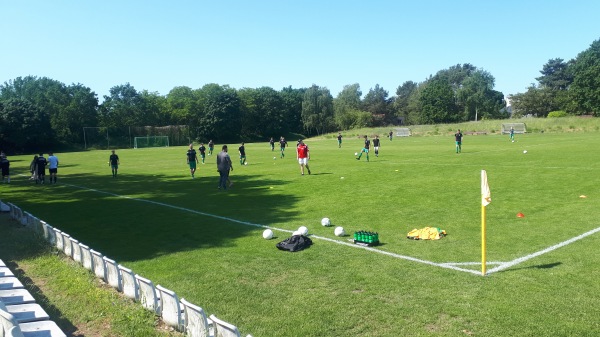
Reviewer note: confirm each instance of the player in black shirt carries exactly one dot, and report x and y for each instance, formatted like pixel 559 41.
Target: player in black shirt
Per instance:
pixel 242 151
pixel 41 169
pixel 211 147
pixel 113 162
pixel 202 150
pixel 458 137
pixel 5 165
pixel 376 146
pixel 339 138
pixel 365 149
pixel 192 159
pixel 272 144
pixel 282 145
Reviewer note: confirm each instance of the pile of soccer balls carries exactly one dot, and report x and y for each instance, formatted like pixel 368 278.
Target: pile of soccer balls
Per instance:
pixel 303 230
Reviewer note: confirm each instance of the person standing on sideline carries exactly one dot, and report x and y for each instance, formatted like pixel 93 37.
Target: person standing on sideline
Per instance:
pixel 33 168
pixel 339 138
pixel 223 167
pixel 5 165
pixel 202 150
pixel 41 169
pixel 391 134
pixel 113 162
pixel 512 134
pixel 365 149
pixel 192 159
pixel 272 144
pixel 242 151
pixel 303 155
pixel 282 145
pixel 376 146
pixel 458 138
pixel 52 167
pixel 211 147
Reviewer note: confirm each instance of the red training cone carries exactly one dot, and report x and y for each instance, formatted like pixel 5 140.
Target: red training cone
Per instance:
pixel 520 215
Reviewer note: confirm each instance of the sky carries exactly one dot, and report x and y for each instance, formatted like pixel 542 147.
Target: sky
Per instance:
pixel 159 45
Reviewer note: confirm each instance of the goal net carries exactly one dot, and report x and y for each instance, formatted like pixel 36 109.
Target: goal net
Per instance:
pixel 403 132
pixel 518 127
pixel 150 141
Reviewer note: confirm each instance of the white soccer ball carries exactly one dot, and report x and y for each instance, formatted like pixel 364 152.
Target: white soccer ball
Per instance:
pixel 274 158
pixel 326 222
pixel 513 141
pixel 268 234
pixel 246 163
pixel 524 151
pixel 303 230
pixel 356 153
pixel 339 231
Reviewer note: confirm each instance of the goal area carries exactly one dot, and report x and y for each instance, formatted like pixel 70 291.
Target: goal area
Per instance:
pixel 518 127
pixel 402 132
pixel 150 141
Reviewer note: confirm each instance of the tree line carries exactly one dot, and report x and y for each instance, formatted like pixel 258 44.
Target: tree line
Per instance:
pixel 39 110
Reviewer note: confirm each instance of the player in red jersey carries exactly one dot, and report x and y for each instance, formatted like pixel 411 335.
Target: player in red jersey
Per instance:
pixel 303 155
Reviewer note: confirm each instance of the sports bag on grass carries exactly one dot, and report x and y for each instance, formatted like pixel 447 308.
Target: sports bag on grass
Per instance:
pixel 295 243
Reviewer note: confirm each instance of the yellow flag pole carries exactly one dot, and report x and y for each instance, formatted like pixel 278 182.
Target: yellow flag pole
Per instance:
pixel 483 257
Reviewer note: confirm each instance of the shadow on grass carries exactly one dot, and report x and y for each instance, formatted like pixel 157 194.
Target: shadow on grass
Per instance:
pixel 159 214
pixel 19 243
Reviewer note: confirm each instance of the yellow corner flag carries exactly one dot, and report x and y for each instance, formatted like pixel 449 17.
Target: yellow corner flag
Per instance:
pixel 486 198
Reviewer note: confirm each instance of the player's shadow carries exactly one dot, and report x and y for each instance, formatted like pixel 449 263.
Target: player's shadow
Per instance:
pixel 321 173
pixel 539 266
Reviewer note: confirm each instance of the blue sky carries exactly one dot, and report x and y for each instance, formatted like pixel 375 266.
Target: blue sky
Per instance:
pixel 157 45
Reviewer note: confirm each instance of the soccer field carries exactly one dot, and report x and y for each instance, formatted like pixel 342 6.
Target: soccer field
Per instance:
pixel 206 244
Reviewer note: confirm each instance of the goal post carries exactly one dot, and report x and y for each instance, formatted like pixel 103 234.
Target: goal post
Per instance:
pixel 403 132
pixel 150 141
pixel 518 127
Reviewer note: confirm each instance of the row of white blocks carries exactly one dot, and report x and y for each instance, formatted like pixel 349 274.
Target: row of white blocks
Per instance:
pixel 179 314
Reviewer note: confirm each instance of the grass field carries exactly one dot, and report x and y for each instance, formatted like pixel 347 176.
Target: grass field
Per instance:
pixel 206 244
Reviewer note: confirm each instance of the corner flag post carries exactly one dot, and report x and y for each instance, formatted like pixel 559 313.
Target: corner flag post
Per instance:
pixel 485 200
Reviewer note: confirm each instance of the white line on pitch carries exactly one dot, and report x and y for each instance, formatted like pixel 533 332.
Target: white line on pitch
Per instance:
pixel 544 251
pixel 447 265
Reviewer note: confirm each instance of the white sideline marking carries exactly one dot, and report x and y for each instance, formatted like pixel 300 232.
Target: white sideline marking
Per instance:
pixel 447 265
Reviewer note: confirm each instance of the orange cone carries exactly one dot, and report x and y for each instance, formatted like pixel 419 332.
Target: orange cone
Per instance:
pixel 520 215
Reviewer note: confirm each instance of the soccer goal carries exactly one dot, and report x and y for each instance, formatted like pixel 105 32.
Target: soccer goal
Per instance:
pixel 150 141
pixel 403 132
pixel 518 127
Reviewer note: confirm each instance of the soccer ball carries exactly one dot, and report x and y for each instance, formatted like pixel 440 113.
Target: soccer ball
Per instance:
pixel 303 230
pixel 246 163
pixel 513 141
pixel 339 231
pixel 326 222
pixel 268 234
pixel 274 158
pixel 356 153
pixel 524 151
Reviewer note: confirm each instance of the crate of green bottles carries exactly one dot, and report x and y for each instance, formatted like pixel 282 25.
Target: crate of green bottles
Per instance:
pixel 366 238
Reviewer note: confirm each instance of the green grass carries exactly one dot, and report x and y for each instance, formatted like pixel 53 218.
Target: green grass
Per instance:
pixel 336 290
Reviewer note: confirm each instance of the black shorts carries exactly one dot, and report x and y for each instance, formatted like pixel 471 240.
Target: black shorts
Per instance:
pixel 54 170
pixel 5 172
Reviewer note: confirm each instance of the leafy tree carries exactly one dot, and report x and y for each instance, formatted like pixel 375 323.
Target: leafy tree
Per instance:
pixel 404 95
pixel 437 103
pixel 585 89
pixel 317 110
pixel 346 107
pixel 535 101
pixel 182 103
pixel 121 108
pixel 292 114
pixel 24 127
pixel 376 102
pixel 556 74
pixel 262 112
pixel 80 111
pixel 220 116
pixel 477 97
pixel 154 109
